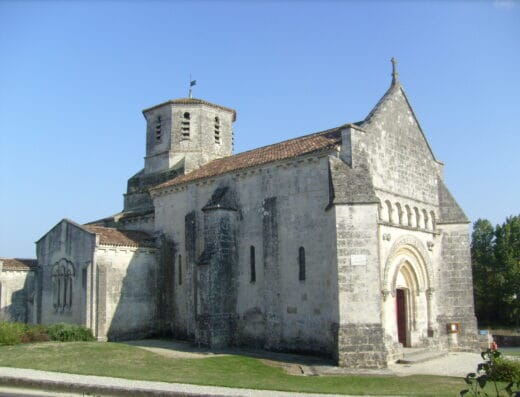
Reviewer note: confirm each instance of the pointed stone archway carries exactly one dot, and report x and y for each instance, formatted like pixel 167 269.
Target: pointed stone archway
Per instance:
pixel 408 281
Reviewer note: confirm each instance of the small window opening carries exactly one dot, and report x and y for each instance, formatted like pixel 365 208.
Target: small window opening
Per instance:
pixel 185 125
pixel 158 129
pixel 252 263
pixel 217 130
pixel 301 263
pixel 180 269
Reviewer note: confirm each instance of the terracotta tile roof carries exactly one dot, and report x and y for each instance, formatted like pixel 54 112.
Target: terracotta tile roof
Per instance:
pixel 193 101
pixel 320 141
pixel 125 238
pixel 19 264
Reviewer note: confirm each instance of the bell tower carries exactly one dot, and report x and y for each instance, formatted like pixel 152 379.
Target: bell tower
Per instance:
pixel 186 133
pixel 181 136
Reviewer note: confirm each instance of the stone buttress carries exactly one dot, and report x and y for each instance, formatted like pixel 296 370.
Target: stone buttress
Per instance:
pixel 216 272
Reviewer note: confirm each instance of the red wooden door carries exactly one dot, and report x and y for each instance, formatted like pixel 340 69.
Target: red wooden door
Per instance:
pixel 400 303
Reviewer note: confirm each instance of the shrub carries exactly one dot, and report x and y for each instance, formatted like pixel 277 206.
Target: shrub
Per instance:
pixel 11 333
pixel 35 333
pixel 69 333
pixel 494 369
pixel 504 370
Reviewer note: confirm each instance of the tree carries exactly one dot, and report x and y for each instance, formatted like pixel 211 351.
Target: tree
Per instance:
pixel 507 253
pixel 495 256
pixel 483 261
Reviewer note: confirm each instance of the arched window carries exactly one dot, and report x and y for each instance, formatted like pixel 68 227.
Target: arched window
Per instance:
pixel 180 269
pixel 158 129
pixel 217 130
pixel 301 264
pixel 62 276
pixel 252 263
pixel 185 125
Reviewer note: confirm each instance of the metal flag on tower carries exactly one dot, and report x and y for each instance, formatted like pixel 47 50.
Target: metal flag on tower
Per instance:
pixel 192 83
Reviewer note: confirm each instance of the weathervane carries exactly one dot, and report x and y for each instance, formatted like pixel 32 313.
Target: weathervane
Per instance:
pixel 192 83
pixel 395 75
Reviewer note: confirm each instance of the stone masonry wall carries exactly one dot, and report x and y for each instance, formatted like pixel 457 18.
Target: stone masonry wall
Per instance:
pixel 456 298
pixel 126 292
pixel 399 156
pixel 217 289
pixel 69 243
pixel 360 336
pixel 304 309
pixel 272 302
pixel 17 295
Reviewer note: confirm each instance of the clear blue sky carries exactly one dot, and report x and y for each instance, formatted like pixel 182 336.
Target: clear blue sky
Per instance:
pixel 74 77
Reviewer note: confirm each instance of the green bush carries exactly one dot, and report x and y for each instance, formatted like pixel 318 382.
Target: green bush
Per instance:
pixel 69 333
pixel 494 369
pixel 35 333
pixel 504 370
pixel 11 333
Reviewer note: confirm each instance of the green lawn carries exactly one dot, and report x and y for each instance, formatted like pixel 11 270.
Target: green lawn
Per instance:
pixel 510 351
pixel 124 361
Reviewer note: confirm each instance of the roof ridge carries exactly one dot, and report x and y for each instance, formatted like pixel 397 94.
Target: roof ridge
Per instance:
pixel 192 101
pixel 290 148
pixel 286 141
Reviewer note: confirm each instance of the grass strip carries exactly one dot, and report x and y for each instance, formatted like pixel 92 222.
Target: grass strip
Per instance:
pixel 129 362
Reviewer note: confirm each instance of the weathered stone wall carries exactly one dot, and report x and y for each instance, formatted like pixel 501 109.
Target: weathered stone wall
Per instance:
pixel 455 300
pixel 65 243
pixel 126 292
pixel 360 335
pixel 282 207
pixel 400 158
pixel 187 148
pixel 216 279
pixel 17 295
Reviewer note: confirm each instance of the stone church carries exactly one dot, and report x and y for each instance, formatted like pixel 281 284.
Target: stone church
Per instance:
pixel 344 242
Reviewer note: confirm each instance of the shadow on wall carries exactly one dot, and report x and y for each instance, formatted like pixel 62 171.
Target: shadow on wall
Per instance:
pixel 136 293
pixel 21 307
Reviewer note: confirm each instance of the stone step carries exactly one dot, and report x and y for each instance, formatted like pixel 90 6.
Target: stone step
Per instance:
pixel 414 356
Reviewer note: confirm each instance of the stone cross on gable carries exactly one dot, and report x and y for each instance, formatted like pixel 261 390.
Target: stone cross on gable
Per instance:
pixel 395 75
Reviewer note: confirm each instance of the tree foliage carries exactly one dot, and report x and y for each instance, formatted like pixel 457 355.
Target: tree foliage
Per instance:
pixel 495 253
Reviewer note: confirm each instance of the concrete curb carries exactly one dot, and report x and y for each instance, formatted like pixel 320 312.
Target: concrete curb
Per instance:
pixel 108 386
pixel 63 386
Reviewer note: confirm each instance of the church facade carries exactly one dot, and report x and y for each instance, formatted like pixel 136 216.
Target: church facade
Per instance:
pixel 344 242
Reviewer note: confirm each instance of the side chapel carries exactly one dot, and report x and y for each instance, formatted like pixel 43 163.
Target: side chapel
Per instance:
pixel 344 242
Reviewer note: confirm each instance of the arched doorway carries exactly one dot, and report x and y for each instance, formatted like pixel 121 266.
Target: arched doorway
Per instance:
pixel 407 281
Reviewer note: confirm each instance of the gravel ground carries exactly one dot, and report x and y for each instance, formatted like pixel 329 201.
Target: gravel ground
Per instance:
pixel 454 364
